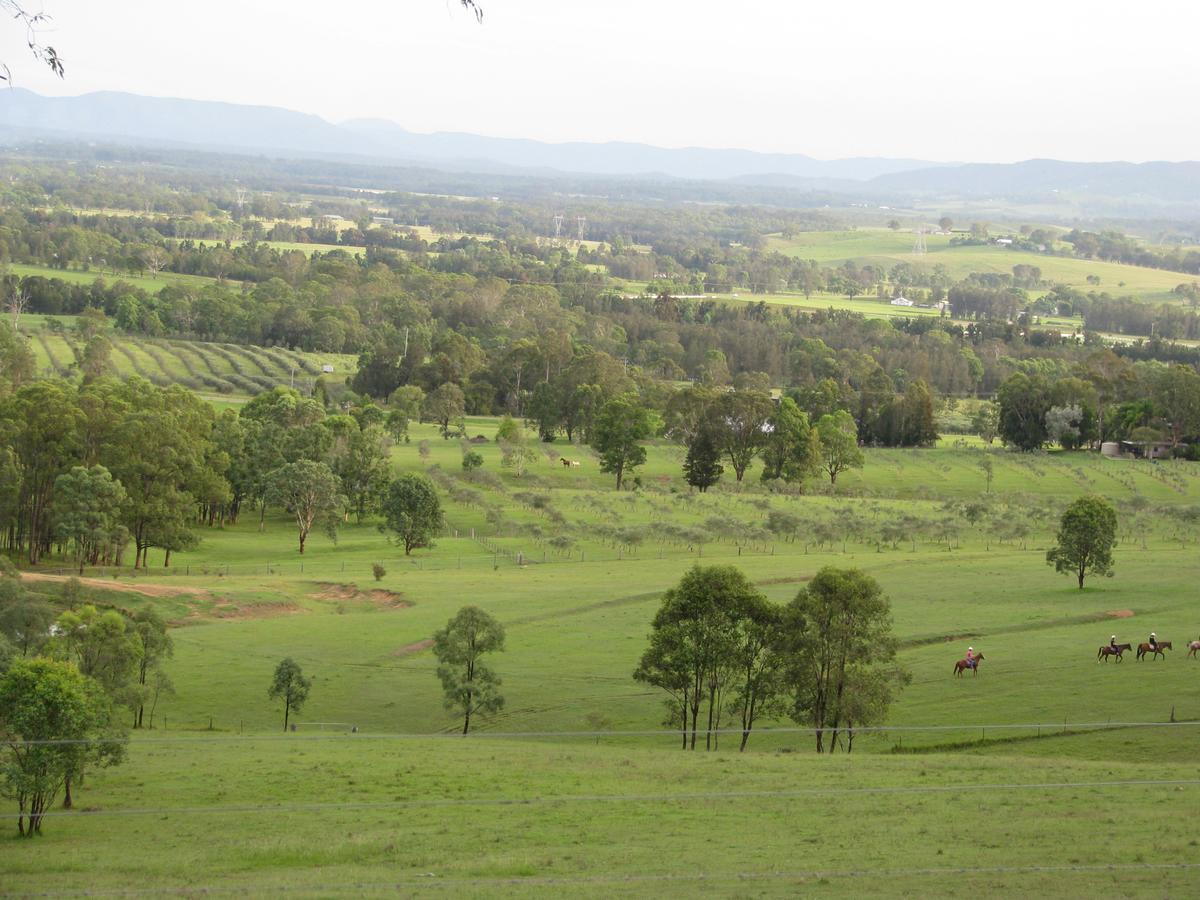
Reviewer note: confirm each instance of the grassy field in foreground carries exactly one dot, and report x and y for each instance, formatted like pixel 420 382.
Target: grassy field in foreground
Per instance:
pixel 377 817
pixel 881 246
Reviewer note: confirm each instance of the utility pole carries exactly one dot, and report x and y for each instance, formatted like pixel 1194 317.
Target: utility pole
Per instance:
pixel 919 248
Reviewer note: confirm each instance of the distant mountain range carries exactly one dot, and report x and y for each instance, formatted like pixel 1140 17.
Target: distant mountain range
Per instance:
pixel 1155 187
pixel 228 126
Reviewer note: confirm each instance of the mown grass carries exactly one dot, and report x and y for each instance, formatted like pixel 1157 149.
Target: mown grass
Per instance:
pixel 488 818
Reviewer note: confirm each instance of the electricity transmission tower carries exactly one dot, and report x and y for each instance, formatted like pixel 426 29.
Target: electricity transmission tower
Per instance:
pixel 242 195
pixel 558 224
pixel 581 223
pixel 919 248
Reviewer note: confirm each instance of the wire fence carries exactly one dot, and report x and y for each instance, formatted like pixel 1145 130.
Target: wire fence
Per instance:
pixel 497 556
pixel 210 731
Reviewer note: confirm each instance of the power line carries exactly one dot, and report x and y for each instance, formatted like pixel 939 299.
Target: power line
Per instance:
pixel 1050 728
pixel 902 790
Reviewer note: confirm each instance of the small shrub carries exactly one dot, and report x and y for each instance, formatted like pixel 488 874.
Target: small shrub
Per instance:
pixel 471 461
pixel 378 571
pixel 423 449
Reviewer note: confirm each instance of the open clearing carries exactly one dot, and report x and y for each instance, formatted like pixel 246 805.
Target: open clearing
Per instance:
pixel 881 246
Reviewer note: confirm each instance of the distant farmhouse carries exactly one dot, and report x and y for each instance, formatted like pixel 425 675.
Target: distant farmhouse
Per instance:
pixel 902 301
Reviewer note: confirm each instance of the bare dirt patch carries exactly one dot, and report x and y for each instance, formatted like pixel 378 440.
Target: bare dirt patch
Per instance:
pixel 350 593
pixel 132 587
pixel 227 609
pixel 1119 613
pixel 410 649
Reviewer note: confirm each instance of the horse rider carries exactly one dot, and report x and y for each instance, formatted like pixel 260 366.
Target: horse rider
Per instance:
pixel 1112 644
pixel 1153 641
pixel 970 657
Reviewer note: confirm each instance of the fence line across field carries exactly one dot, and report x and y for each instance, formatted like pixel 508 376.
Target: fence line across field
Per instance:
pixel 327 568
pixel 1047 728
pixel 324 568
pixel 680 797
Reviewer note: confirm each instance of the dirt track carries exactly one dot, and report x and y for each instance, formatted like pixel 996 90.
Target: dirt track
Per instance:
pixel 130 587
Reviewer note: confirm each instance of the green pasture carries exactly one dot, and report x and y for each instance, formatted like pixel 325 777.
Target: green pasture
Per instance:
pixel 881 246
pixel 367 817
pixel 957 802
pixel 578 615
pixel 308 249
pixel 88 276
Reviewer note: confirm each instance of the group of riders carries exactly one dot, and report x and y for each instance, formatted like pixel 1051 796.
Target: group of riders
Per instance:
pixel 972 660
pixel 1152 647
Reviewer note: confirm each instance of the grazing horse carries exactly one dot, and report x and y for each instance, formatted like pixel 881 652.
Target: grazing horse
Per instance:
pixel 1192 648
pixel 962 664
pixel 569 463
pixel 1155 651
pixel 1108 650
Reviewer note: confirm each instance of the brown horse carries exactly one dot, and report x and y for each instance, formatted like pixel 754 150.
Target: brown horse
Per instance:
pixel 1108 650
pixel 1192 648
pixel 1155 651
pixel 962 665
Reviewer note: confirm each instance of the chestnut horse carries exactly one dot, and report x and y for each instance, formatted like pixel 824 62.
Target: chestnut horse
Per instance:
pixel 962 664
pixel 1193 647
pixel 1156 650
pixel 1108 650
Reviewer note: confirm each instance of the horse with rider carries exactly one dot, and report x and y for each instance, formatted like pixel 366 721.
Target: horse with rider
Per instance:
pixel 1112 648
pixel 1153 647
pixel 970 661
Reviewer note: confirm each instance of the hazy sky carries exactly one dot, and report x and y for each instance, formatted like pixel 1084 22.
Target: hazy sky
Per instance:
pixel 934 79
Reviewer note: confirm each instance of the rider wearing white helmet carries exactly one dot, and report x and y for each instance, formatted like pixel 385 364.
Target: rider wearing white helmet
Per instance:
pixel 1153 641
pixel 1112 642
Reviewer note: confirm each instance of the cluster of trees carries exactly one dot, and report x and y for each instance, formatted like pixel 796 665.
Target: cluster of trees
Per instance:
pixel 739 426
pixel 724 654
pixel 1105 398
pixel 73 679
pixel 90 469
